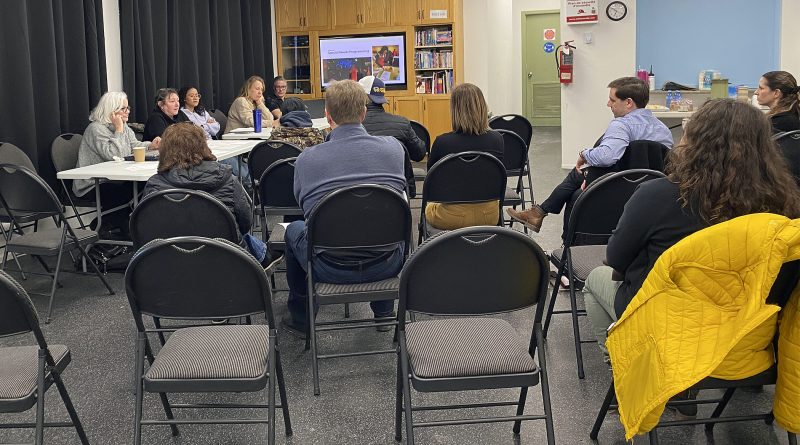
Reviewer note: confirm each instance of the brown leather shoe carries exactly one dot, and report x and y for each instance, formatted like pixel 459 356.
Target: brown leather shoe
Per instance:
pixel 532 218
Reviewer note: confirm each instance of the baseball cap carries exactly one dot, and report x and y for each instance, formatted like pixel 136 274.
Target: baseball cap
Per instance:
pixel 374 88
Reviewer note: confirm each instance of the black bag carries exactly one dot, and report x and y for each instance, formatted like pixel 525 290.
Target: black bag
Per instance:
pixel 110 258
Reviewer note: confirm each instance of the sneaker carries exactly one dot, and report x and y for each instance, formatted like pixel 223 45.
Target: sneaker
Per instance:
pixel 294 327
pixel 385 328
pixel 531 218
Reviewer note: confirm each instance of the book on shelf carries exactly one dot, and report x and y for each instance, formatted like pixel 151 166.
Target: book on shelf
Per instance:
pixel 425 59
pixel 440 82
pixel 434 36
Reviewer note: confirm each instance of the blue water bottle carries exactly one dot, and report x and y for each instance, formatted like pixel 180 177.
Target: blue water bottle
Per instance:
pixel 257 120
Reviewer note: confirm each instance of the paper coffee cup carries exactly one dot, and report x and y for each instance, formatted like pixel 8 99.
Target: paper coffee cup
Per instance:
pixel 138 154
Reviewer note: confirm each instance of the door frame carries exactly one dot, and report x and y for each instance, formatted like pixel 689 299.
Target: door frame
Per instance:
pixel 524 46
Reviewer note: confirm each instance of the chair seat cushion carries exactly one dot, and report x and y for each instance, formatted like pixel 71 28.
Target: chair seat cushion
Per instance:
pixel 18 370
pixel 419 173
pixel 584 259
pixel 276 241
pixel 461 347
pixel 511 197
pixel 387 285
pixel 211 358
pixel 47 242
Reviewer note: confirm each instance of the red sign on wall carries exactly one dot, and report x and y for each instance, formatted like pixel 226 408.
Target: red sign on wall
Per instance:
pixel 581 11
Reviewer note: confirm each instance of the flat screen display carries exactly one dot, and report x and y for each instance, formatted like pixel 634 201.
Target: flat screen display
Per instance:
pixel 354 57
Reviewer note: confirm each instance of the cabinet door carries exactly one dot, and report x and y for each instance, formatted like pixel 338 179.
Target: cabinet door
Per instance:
pixel 346 13
pixel 289 15
pixel 437 5
pixel 408 107
pixel 317 13
pixel 436 112
pixel 375 13
pixel 405 12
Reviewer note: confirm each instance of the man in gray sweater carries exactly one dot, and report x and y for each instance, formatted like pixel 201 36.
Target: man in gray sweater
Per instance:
pixel 350 157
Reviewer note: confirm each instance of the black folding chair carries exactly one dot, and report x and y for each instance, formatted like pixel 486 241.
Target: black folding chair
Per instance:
pixel 469 177
pixel 181 212
pixel 463 351
pixel 11 154
pixel 353 219
pixel 64 153
pixel 276 196
pixel 594 217
pixel 515 159
pixel 789 145
pixel 422 133
pixel 264 155
pixel 29 371
pixel 523 128
pixel 31 195
pixel 220 117
pixel 179 278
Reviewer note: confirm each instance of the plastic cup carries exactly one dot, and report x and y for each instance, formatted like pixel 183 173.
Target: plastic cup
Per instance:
pixel 138 154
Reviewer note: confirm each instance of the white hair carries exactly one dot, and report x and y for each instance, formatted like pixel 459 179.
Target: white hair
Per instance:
pixel 109 103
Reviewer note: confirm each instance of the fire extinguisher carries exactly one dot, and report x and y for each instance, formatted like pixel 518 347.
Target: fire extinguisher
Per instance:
pixel 564 63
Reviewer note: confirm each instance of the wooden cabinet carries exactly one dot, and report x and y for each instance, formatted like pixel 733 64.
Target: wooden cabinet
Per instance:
pixel 409 107
pixel 301 15
pixel 418 12
pixel 436 114
pixel 360 13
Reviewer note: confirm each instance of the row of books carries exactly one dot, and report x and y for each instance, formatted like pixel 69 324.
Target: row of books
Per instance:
pixel 433 59
pixel 434 36
pixel 440 82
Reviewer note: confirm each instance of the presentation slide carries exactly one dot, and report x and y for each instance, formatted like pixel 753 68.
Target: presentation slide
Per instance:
pixel 357 57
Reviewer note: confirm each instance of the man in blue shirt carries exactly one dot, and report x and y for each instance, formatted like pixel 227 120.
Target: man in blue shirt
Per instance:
pixel 627 98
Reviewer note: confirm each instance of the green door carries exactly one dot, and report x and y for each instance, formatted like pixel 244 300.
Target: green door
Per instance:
pixel 541 32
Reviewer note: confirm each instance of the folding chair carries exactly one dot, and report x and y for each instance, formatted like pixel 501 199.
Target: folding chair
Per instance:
pixel 263 155
pixel 20 386
pixel 422 133
pixel 33 196
pixel 469 177
pixel 352 219
pixel 523 128
pixel 515 159
pixel 179 278
pixel 276 196
pixel 789 145
pixel 463 351
pixel 594 217
pixel 64 154
pixel 220 117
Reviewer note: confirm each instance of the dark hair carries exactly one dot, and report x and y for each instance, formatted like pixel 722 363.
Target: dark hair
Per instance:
pixel 787 85
pixel 727 165
pixel 632 88
pixel 277 78
pixel 183 145
pixel 199 109
pixel 163 94
pixel 293 104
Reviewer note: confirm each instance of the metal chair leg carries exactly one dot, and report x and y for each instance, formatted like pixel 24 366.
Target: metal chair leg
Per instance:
pixel 792 438
pixel 398 407
pixel 40 399
pixel 601 415
pixel 576 330
pixel 311 336
pixel 287 422
pixel 545 382
pixel 96 270
pixel 552 305
pixel 653 435
pixel 407 402
pixel 273 374
pixel 720 407
pixel 138 373
pixel 55 279
pixel 523 395
pixel 73 415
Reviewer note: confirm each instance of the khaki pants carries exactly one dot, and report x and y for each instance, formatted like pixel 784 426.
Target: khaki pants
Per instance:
pixel 456 216
pixel 599 293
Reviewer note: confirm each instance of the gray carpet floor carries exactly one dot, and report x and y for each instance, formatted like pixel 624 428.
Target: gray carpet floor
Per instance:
pixel 357 401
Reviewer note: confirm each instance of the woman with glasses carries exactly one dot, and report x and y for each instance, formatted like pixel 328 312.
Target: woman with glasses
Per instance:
pixel 108 136
pixel 191 106
pixel 166 112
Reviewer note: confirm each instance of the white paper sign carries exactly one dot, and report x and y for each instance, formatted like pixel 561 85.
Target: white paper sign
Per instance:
pixel 581 11
pixel 438 13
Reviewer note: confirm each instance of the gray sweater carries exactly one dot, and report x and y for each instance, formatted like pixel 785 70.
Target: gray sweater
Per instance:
pixel 350 157
pixel 100 144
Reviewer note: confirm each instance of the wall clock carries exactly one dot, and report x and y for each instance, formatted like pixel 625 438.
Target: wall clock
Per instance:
pixel 616 11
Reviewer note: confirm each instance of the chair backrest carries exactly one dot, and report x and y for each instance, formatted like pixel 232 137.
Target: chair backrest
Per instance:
pixel 467 177
pixel 18 314
pixel 316 108
pixel 640 153
pixel 599 208
pixel 180 212
pixel 474 270
pixel 192 277
pixel 220 117
pixel 422 133
pixel 64 151
pixel 11 154
pixel 789 145
pixel 515 152
pixel 363 217
pixel 266 153
pixel 513 122
pixel 23 191
pixel 276 189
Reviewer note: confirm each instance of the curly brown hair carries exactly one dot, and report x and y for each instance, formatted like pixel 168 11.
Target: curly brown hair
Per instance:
pixel 726 165
pixel 183 145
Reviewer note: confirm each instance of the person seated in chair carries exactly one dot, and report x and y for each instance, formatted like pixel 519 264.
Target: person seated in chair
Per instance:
pixel 380 123
pixel 167 112
pixel 627 98
pixel 296 125
pixel 350 157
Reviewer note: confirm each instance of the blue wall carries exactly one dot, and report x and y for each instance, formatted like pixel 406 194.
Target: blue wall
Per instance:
pixel 739 38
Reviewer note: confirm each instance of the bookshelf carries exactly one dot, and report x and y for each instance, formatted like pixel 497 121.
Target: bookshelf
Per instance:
pixel 295 64
pixel 433 59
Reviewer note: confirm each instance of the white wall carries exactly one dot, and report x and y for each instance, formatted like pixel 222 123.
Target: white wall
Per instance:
pixel 790 54
pixel 113 44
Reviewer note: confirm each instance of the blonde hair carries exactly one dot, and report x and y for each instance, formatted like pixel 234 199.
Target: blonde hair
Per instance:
pixel 245 92
pixel 468 111
pixel 109 103
pixel 345 101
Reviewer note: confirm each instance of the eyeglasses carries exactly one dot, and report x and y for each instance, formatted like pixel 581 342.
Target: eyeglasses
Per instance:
pixel 193 96
pixel 125 109
pixel 278 87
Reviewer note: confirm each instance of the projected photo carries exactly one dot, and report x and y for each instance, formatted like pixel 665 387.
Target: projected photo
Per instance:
pixel 386 62
pixel 353 57
pixel 341 69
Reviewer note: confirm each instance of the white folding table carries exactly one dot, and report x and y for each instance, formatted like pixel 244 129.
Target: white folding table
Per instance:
pixel 248 133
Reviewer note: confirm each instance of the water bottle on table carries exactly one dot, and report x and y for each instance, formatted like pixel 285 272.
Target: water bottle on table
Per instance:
pixel 257 121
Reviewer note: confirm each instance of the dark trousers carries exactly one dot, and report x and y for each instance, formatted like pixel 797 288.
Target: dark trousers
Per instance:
pixel 564 195
pixel 297 262
pixel 114 194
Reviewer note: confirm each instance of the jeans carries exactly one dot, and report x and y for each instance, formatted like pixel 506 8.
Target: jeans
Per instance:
pixel 599 294
pixel 564 194
pixel 297 262
pixel 234 162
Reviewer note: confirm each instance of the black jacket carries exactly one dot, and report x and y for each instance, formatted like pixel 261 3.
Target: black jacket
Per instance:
pixel 786 121
pixel 157 122
pixel 213 178
pixel 380 123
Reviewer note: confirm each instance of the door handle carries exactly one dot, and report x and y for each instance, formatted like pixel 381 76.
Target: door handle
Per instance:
pixel 530 75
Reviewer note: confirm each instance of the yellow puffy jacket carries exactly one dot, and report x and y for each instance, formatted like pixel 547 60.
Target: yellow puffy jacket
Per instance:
pixel 702 312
